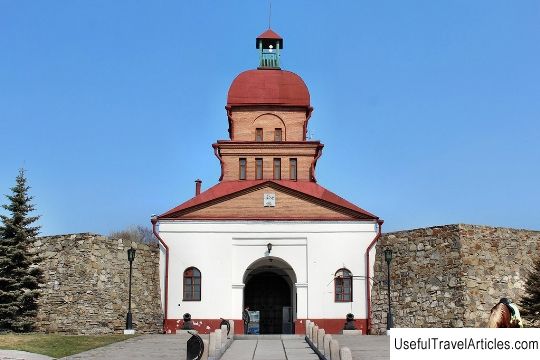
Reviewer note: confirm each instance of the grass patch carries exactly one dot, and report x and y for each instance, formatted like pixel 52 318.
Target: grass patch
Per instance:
pixel 57 345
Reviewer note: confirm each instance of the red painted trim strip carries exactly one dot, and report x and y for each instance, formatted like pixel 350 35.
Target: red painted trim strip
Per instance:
pixel 282 142
pixel 187 218
pixel 205 326
pixel 166 290
pixel 368 278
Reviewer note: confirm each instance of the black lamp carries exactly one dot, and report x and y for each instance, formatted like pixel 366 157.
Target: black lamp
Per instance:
pixel 388 255
pixel 269 247
pixel 131 254
pixel 131 257
pixel 389 320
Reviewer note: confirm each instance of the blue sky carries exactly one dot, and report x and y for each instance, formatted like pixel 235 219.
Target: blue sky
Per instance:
pixel 429 110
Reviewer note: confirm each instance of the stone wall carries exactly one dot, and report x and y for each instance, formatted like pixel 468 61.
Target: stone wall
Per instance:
pixel 85 288
pixel 450 276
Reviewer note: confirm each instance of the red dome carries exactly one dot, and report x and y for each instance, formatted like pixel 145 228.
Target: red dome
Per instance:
pixel 268 87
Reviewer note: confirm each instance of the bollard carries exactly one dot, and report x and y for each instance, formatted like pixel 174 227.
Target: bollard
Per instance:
pixel 218 340
pixel 223 335
pixel 205 352
pixel 334 350
pixel 231 333
pixel 310 331
pixel 212 345
pixel 315 333
pixel 345 353
pixel 311 335
pixel 320 338
pixel 307 327
pixel 326 342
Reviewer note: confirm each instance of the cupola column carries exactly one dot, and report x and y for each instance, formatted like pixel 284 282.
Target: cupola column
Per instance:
pixel 269 43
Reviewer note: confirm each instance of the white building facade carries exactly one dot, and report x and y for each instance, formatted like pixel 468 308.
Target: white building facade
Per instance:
pixel 267 235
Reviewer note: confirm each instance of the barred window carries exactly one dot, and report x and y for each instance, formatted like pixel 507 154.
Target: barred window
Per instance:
pixel 242 169
pixel 343 285
pixel 293 169
pixel 277 169
pixel 258 134
pixel 192 284
pixel 258 168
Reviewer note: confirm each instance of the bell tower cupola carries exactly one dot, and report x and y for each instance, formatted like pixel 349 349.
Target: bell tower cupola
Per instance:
pixel 268 110
pixel 269 45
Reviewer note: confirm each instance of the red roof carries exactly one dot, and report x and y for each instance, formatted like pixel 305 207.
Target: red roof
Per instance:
pixel 269 34
pixel 268 87
pixel 226 188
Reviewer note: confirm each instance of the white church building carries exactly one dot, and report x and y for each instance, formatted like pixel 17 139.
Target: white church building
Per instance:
pixel 267 235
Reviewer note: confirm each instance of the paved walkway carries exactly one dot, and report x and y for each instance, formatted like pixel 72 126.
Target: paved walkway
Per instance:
pixel 370 347
pixel 268 348
pixel 163 347
pixel 250 347
pixel 21 355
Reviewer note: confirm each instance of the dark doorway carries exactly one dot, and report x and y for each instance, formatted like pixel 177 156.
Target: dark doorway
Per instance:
pixel 268 293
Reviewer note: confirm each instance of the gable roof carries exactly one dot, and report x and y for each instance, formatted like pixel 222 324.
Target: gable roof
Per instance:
pixel 226 189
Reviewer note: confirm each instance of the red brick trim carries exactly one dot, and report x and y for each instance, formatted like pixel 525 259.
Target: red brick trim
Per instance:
pixel 206 326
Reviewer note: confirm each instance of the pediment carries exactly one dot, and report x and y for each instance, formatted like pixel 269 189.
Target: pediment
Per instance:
pixel 250 204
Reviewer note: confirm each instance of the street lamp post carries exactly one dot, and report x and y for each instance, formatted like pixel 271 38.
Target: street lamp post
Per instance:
pixel 129 318
pixel 389 321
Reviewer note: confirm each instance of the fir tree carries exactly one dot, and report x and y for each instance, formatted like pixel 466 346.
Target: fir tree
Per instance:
pixel 19 278
pixel 530 302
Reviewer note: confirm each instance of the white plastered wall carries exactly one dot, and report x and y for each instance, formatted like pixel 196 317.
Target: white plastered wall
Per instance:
pixel 223 250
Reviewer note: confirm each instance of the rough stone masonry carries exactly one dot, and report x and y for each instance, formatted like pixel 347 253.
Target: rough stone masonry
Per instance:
pixel 450 276
pixel 85 288
pixel 443 276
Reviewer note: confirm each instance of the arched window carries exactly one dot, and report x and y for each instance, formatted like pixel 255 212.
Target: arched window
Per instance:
pixel 192 284
pixel 343 285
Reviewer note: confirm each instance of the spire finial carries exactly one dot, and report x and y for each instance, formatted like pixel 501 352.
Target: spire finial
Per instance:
pixel 270 14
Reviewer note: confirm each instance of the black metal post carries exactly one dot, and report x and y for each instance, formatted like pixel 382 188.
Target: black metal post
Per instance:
pixel 389 321
pixel 129 318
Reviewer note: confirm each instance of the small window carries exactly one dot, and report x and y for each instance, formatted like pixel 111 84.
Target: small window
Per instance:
pixel 192 284
pixel 277 134
pixel 277 169
pixel 293 169
pixel 242 175
pixel 259 134
pixel 343 286
pixel 258 169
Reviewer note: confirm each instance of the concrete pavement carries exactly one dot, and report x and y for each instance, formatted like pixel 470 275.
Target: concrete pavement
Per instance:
pixel 250 347
pixel 362 347
pixel 269 348
pixel 163 347
pixel 21 355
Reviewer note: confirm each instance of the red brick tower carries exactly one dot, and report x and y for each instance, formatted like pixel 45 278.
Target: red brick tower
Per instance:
pixel 268 111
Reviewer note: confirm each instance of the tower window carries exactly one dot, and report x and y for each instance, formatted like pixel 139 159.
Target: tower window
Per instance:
pixel 192 284
pixel 242 170
pixel 277 169
pixel 258 169
pixel 343 286
pixel 278 134
pixel 258 134
pixel 293 169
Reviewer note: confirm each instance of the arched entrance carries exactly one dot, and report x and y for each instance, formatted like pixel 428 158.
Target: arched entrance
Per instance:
pixel 269 289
